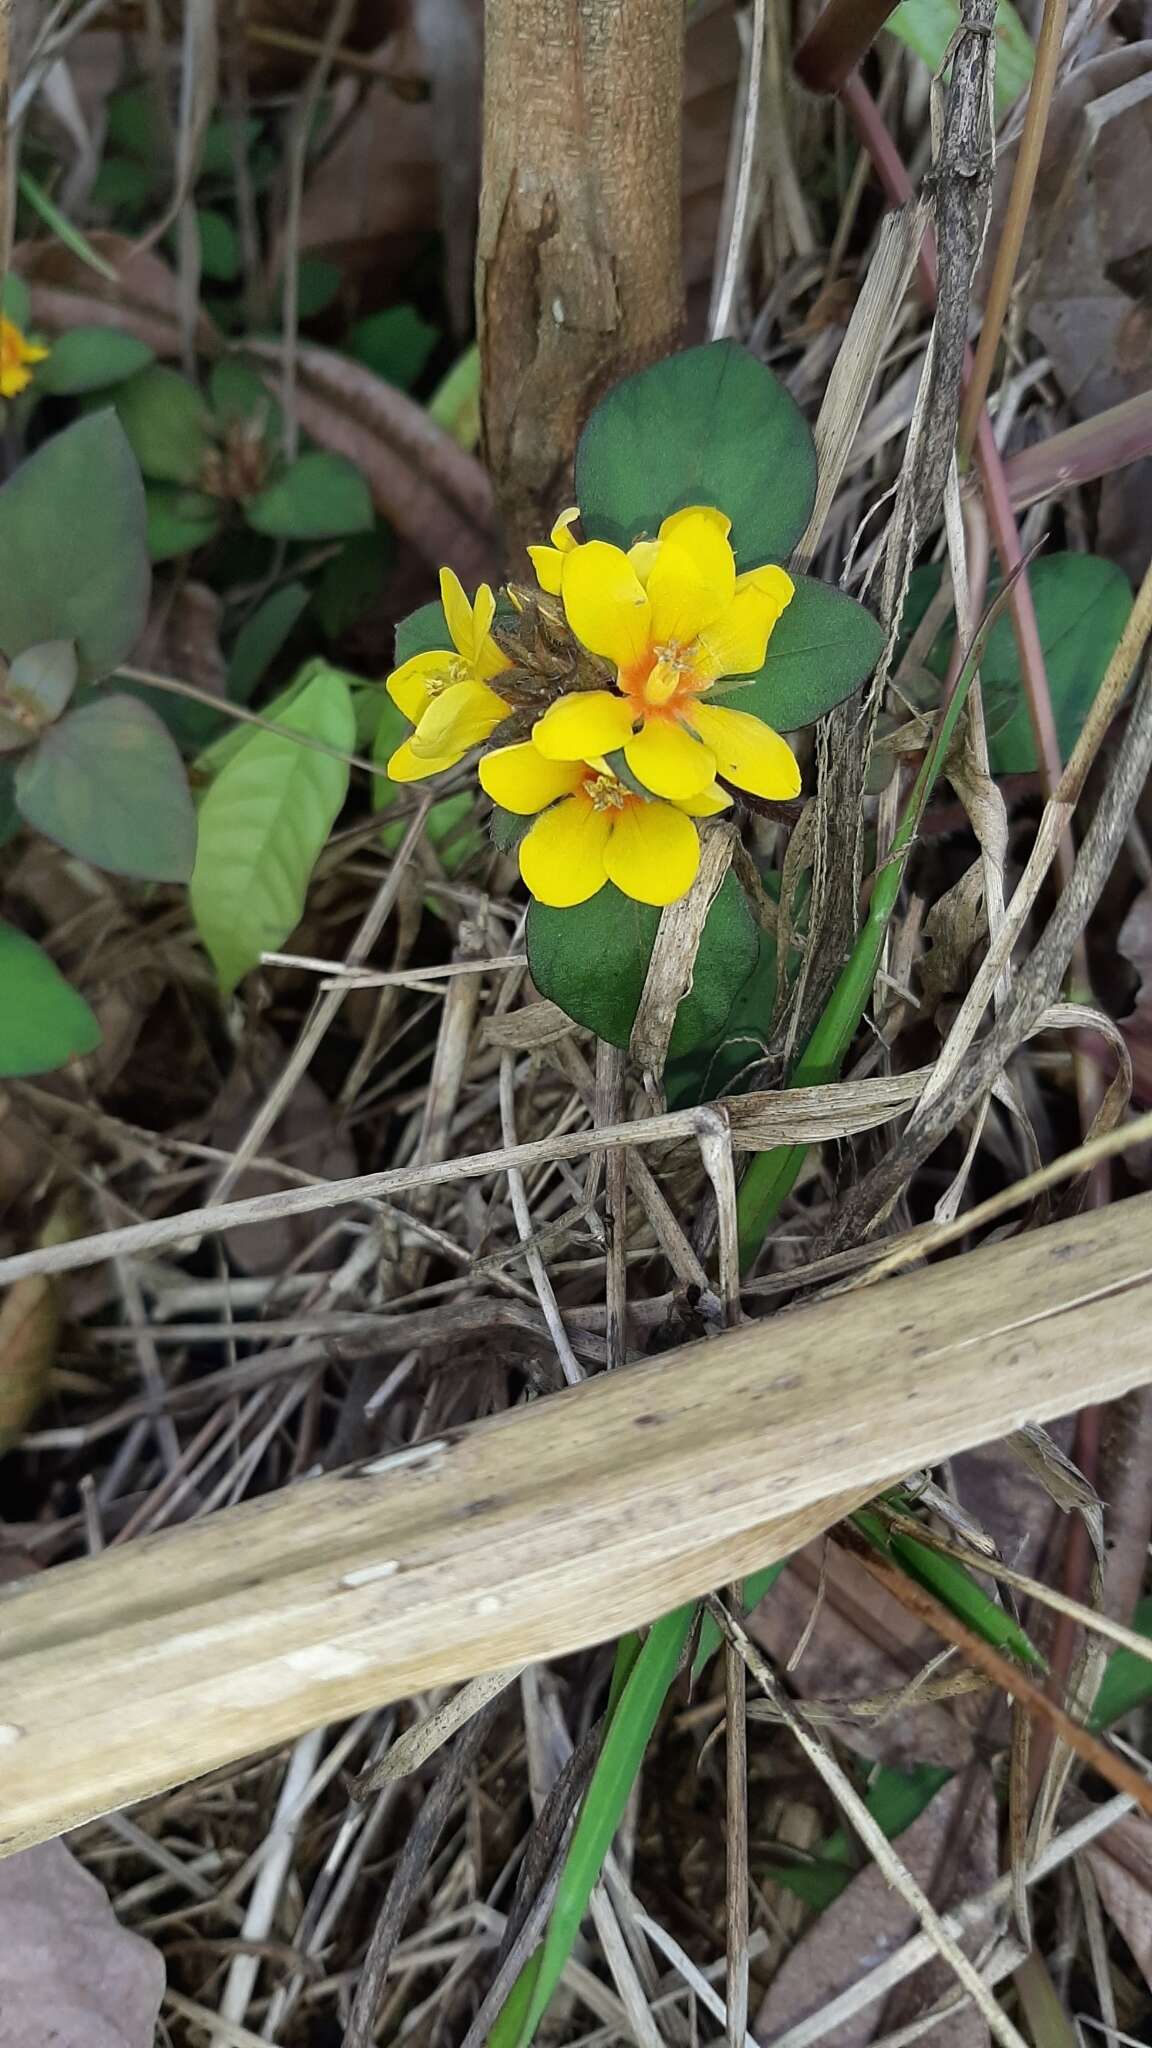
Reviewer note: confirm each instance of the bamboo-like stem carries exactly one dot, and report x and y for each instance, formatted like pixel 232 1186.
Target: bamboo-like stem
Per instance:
pixel 1011 239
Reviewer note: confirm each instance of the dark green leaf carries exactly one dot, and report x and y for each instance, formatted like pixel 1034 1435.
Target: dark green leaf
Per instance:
pixel 960 1590
pixel 121 187
pixel 218 154
pixel 823 646
pixel 43 1021
pixel 89 358
pixel 261 637
pixel 317 497
pixel 1082 605
pixel 729 1063
pixel 219 246
pixel 72 546
pixel 1127 1680
pixel 422 632
pixel 395 344
pixel 317 283
pixel 351 580
pixel 15 299
pixel 179 520
pixel 239 396
pixel 108 784
pixel 711 426
pixel 167 424
pixel 505 829
pixel 9 815
pixel 592 960
pixel 263 824
pixel 44 677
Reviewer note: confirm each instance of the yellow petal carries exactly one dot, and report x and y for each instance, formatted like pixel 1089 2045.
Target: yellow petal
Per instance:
pixel 562 536
pixel 606 604
pixel 408 685
pixel 706 803
pixel 748 752
pixel 458 613
pixel 562 857
pixel 583 724
pixel 549 566
pixel 521 779
pixel 13 381
pixel 33 353
pixel 405 766
pixel 459 718
pixel 736 644
pixel 642 554
pixel 668 760
pixel 653 853
pixel 693 579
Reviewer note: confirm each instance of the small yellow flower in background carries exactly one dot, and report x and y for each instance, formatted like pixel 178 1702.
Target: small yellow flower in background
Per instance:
pixel 549 562
pixel 445 693
pixel 591 829
pixel 676 619
pixel 16 353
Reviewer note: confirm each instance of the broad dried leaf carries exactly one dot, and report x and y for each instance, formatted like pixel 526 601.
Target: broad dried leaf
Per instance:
pixel 144 301
pixel 29 1325
pixel 69 1973
pixel 1135 943
pixel 1122 1866
pixel 951 1851
pixel 306 1136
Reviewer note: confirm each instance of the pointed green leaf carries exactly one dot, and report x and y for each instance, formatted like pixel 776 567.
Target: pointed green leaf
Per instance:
pixel 107 783
pixel 219 245
pixel 89 358
pixel 592 960
pixel 72 546
pixel 823 646
pixel 261 638
pixel 928 27
pixel 317 497
pixel 711 426
pixel 43 1021
pixel 1127 1680
pixel 167 424
pixel 352 579
pixel 179 520
pixel 395 344
pixel 422 632
pixel 15 299
pixel 263 824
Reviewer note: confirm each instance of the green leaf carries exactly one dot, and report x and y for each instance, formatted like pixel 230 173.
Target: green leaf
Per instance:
pixel 351 580
pixel 121 187
pixel 592 961
pixel 317 497
pixel 179 520
pixel 263 825
pixel 1082 604
pixel 167 424
pixel 894 1799
pixel 9 815
pixel 928 26
pixel 107 783
pixel 954 1585
pixel 451 825
pixel 711 426
pixel 317 283
pixel 395 344
pixel 422 632
pixel 59 225
pixel 752 1593
pixel 40 684
pixel 261 637
pixel 72 545
pixel 88 358
pixel 822 647
pixel 219 245
pixel 720 1068
pixel 240 397
pixel 1127 1680
pixel 43 1021
pixel 15 300
pixel 601 1811
pixel 455 403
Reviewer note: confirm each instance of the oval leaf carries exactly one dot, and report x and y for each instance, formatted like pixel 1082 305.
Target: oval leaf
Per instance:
pixel 167 424
pixel 711 426
pixel 89 358
pixel 43 1021
pixel 45 677
pixel 316 498
pixel 73 548
pixel 107 783
pixel 592 961
pixel 822 647
pixel 263 823
pixel 179 520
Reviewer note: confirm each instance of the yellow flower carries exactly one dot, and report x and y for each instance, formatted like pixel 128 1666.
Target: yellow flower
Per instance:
pixel 549 562
pixel 445 693
pixel 590 829
pixel 676 619
pixel 15 355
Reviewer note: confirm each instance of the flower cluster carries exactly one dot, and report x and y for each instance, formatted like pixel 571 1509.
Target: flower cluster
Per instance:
pixel 613 775
pixel 16 354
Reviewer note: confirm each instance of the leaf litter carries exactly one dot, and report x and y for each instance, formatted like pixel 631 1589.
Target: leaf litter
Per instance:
pixel 289 1901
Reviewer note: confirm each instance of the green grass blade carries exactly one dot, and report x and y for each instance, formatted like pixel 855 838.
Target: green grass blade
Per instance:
pixel 1127 1680
pixel 63 228
pixel 751 1594
pixel 629 1732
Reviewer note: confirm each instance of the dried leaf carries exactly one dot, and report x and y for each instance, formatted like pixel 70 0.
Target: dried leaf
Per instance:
pixel 29 1323
pixel 1122 1866
pixel 1135 943
pixel 69 1973
pixel 306 1136
pixel 951 1851
pixel 144 301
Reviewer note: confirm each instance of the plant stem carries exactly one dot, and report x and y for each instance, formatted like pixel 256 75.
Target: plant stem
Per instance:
pixel 842 35
pixel 1015 221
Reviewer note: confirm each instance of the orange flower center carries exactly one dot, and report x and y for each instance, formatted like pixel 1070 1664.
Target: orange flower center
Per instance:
pixel 605 793
pixel 660 683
